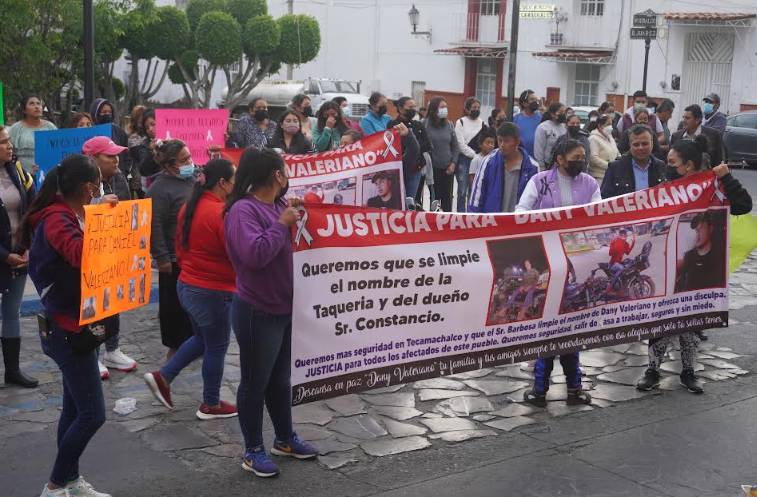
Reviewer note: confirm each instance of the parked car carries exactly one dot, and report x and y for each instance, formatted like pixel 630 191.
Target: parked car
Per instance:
pixel 583 113
pixel 740 138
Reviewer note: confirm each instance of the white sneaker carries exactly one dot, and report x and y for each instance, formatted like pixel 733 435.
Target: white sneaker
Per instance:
pixel 58 492
pixel 104 373
pixel 81 488
pixel 118 360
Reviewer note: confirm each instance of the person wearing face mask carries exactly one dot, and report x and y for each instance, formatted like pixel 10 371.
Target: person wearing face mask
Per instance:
pixel 258 226
pixel 591 125
pixel 302 106
pixel 102 111
pixel 528 119
pixel 468 131
pixel 52 230
pixel 640 103
pixel 563 185
pixel 713 118
pixel 376 119
pixel 574 132
pixel 603 149
pixel 406 114
pixel 331 125
pixel 170 190
pixel 551 128
pixel 351 123
pixel 206 286
pixel 288 136
pixel 16 193
pixel 444 150
pixel 701 266
pixel 113 188
pixel 636 171
pixel 255 129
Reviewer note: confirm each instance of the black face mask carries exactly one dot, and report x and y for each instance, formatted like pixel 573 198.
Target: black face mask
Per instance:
pixel 410 114
pixel 104 118
pixel 474 114
pixel 308 111
pixel 261 115
pixel 561 118
pixel 533 106
pixel 381 110
pixel 573 130
pixel 574 167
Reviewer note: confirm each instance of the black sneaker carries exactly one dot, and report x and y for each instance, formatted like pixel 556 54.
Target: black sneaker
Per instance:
pixel 649 381
pixel 691 382
pixel 577 397
pixel 535 398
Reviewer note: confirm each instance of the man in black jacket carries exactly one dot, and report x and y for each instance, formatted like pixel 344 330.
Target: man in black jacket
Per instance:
pixel 692 127
pixel 637 170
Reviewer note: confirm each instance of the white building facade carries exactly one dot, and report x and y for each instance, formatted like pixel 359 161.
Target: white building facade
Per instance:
pixel 575 51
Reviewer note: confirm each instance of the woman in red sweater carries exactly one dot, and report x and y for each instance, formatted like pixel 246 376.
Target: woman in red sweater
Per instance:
pixel 205 288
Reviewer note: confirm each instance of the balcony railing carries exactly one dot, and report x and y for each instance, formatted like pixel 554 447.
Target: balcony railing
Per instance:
pixel 484 30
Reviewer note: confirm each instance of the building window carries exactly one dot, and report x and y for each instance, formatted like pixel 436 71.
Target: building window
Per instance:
pixel 592 7
pixel 587 84
pixel 489 7
pixel 486 82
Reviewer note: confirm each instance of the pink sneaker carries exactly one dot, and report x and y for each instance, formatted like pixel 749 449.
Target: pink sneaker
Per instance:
pixel 224 410
pixel 160 388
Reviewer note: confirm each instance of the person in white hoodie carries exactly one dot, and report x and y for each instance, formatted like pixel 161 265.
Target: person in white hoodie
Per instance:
pixel 603 147
pixel 468 132
pixel 547 133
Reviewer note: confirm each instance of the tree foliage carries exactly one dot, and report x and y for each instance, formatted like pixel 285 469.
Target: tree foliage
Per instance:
pixel 300 39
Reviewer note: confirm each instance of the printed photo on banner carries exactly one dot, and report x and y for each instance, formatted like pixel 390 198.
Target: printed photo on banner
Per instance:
pixel 366 173
pixel 115 254
pixel 701 252
pixel 521 278
pixel 382 190
pixel 614 264
pixel 341 192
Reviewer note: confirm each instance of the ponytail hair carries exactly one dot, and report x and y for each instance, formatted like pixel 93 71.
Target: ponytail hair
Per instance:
pixel 256 168
pixel 168 152
pixel 693 150
pixel 66 179
pixel 214 171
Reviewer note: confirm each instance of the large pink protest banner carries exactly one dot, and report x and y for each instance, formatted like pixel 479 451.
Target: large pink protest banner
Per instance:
pixel 198 128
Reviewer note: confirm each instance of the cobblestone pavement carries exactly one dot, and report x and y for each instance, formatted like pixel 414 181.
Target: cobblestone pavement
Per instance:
pixel 354 430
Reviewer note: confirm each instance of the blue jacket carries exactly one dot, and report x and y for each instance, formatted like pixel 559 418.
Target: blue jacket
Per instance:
pixel 489 183
pixel 373 123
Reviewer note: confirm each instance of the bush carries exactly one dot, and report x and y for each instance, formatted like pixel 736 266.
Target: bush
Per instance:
pixel 198 8
pixel 261 36
pixel 300 39
pixel 168 35
pixel 219 38
pixel 244 10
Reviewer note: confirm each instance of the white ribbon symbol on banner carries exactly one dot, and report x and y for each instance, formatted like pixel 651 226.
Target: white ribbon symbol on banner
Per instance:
pixel 389 140
pixel 718 193
pixel 302 231
pixel 209 137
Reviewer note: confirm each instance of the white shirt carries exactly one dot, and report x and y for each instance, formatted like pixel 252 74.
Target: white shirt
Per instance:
pixel 465 129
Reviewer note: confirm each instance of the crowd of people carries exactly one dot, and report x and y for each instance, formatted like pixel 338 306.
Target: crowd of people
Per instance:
pixel 220 235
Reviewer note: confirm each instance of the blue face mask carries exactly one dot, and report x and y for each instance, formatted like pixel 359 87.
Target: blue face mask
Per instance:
pixel 707 108
pixel 187 170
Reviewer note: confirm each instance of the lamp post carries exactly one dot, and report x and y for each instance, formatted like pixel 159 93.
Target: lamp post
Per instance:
pixel 415 16
pixel 89 54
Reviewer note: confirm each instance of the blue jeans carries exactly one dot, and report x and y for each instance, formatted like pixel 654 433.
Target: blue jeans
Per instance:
pixel 461 175
pixel 208 311
pixel 11 306
pixel 265 348
pixel 412 181
pixel 83 410
pixel 543 370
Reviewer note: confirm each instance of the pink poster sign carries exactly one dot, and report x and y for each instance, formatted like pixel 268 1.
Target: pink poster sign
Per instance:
pixel 198 128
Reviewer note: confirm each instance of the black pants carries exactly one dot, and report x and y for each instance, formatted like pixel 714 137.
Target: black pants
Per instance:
pixel 175 327
pixel 443 188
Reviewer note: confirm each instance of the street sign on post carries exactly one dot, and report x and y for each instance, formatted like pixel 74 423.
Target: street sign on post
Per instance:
pixel 643 33
pixel 646 18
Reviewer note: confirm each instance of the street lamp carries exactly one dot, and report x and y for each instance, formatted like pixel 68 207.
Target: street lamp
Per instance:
pixel 415 16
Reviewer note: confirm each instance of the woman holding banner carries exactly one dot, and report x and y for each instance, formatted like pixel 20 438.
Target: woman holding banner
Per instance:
pixel 288 136
pixel 16 193
pixel 205 288
pixel 699 265
pixel 563 185
pixel 30 112
pixel 257 225
pixel 53 230
pixel 169 191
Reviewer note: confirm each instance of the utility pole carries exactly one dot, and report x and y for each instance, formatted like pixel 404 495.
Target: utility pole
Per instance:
pixel 290 10
pixel 647 42
pixel 513 53
pixel 89 54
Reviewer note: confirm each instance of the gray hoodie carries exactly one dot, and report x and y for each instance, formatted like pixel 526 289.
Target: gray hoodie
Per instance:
pixel 168 193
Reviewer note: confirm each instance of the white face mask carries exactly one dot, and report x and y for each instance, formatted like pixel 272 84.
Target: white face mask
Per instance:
pixel 443 113
pixel 607 130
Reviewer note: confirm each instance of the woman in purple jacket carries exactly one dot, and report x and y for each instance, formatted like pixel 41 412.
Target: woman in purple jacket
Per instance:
pixel 562 185
pixel 258 240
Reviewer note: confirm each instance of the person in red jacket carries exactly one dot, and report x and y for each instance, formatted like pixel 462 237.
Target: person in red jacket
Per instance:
pixel 619 248
pixel 205 288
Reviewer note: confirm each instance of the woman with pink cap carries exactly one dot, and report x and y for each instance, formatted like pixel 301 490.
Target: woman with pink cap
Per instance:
pixel 114 187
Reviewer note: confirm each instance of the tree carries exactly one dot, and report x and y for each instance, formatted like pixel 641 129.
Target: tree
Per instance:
pixel 241 41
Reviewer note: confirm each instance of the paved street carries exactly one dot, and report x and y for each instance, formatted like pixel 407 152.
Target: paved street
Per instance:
pixel 464 435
